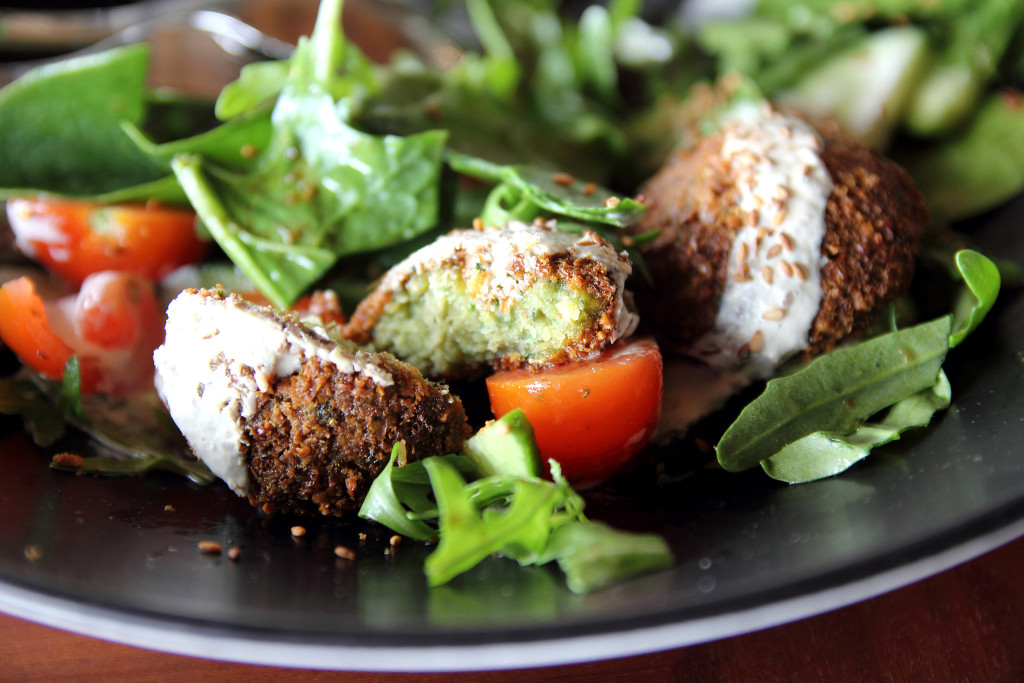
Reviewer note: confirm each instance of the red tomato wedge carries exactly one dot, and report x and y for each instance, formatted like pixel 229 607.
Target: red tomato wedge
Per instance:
pixel 592 416
pixel 112 326
pixel 75 239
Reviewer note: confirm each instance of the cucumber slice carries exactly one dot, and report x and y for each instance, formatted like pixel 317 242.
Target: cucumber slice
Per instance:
pixel 866 88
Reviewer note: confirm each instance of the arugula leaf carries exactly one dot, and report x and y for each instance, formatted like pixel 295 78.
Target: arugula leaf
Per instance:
pixel 835 392
pixel 543 189
pixel 60 127
pixel 823 454
pixel 593 555
pixel 467 536
pixel 383 503
pixel 982 278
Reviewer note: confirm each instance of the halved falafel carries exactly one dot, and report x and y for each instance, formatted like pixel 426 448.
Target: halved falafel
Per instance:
pixel 525 295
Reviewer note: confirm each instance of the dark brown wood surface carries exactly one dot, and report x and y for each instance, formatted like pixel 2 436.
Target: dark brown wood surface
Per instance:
pixel 965 624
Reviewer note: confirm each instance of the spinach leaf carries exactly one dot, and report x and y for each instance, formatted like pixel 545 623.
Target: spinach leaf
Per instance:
pixel 982 280
pixel 234 143
pixel 257 84
pixel 60 127
pixel 823 454
pixel 322 189
pixel 835 392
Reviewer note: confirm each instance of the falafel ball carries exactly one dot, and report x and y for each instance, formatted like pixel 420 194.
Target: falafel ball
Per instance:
pixel 287 417
pixel 776 239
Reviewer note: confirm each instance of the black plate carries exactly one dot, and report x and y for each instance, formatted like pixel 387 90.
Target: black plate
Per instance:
pixel 119 558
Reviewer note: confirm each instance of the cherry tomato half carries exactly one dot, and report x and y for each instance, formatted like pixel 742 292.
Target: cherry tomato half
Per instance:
pixel 112 326
pixel 592 416
pixel 75 239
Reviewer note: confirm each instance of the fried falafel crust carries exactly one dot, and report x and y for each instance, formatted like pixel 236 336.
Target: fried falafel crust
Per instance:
pixel 288 417
pixel 319 438
pixel 874 218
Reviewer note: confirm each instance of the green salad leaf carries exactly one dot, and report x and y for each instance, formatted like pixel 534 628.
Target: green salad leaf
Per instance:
pixel 982 280
pixel 824 454
pixel 322 189
pixel 60 129
pixel 503 510
pixel 20 396
pixel 815 422
pixel 980 167
pixel 524 191
pixel 836 392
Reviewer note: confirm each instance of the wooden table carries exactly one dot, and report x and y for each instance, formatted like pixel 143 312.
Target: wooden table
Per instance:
pixel 962 625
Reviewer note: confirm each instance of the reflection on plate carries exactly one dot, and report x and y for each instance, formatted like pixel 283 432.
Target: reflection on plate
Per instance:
pixel 118 558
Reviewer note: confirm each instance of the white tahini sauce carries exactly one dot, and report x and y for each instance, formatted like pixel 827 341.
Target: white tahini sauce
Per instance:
pixel 219 354
pixel 509 256
pixel 773 291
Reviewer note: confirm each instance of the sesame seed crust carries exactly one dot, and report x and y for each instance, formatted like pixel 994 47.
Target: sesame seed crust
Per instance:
pixel 874 219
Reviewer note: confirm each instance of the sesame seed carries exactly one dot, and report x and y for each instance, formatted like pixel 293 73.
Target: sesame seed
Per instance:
pixel 234 553
pixel 628 241
pixel 395 540
pixel 779 217
pixel 752 218
pixel 774 251
pixel 761 234
pixel 33 553
pixel 344 553
pixel 782 192
pixel 589 189
pixel 478 223
pixel 787 269
pixel 742 252
pixel 741 277
pixel 767 274
pixel 786 240
pixel 248 151
pixel 702 445
pixel 806 170
pixel 612 202
pixel 563 179
pixel 69 460
pixel 298 531
pixel 169 508
pixel 210 547
pixel 745 269
pixel 774 314
pixel 756 342
pixel 743 351
pixel 801 272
